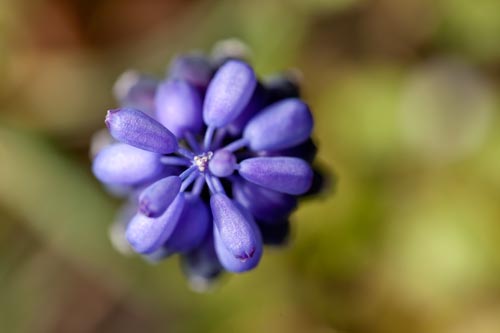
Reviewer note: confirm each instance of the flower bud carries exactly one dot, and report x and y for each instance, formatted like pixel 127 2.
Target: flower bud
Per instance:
pixel 289 175
pixel 228 93
pixel 155 199
pixel 137 129
pixel 281 125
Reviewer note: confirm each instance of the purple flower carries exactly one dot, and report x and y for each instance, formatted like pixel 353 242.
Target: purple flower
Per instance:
pixel 239 156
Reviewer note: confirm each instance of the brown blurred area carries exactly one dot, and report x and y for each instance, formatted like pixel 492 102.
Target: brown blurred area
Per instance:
pixel 406 100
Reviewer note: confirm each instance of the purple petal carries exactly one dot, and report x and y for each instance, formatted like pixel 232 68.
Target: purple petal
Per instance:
pixel 228 93
pixel 234 227
pixel 137 129
pixel 226 256
pixel 121 164
pixel 193 68
pixel 256 103
pixel 266 205
pixel 136 90
pixel 147 235
pixel 178 107
pixel 192 226
pixel 281 125
pixel 155 199
pixel 201 265
pixel 306 150
pixel 276 234
pixel 283 174
pixel 222 163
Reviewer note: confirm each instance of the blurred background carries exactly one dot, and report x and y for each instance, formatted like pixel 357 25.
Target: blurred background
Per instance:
pixel 406 99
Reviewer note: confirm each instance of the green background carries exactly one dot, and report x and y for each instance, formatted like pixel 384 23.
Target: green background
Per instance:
pixel 406 100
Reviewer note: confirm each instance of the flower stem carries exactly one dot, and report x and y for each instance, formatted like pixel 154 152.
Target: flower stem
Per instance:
pixel 186 153
pixel 219 136
pixel 191 141
pixel 209 134
pixel 185 184
pixel 187 172
pixel 174 160
pixel 198 185
pixel 238 144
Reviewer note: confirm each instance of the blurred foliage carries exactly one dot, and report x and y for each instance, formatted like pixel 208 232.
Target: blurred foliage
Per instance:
pixel 406 99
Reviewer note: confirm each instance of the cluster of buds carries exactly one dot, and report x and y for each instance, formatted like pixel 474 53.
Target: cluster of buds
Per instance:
pixel 212 161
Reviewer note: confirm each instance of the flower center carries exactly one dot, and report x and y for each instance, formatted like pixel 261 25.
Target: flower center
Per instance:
pixel 201 161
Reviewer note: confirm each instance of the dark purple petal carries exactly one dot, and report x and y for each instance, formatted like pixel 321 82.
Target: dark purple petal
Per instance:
pixel 137 129
pixel 193 68
pixel 201 266
pixel 228 93
pixel 281 125
pixel 192 226
pixel 256 103
pixel 178 107
pixel 266 205
pixel 276 234
pixel 283 174
pixel 234 228
pixel 222 163
pixel 121 164
pixel 306 150
pixel 155 199
pixel 226 256
pixel 322 182
pixel 147 235
pixel 136 90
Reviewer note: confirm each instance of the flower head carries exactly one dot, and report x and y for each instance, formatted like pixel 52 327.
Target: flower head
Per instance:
pixel 213 159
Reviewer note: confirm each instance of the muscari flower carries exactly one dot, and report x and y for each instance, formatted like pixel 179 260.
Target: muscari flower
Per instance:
pixel 213 162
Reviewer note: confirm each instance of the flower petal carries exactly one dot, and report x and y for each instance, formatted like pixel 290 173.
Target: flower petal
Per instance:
pixel 193 68
pixel 228 93
pixel 147 235
pixel 192 226
pixel 137 129
pixel 283 174
pixel 234 227
pixel 281 125
pixel 121 164
pixel 226 256
pixel 256 103
pixel 202 266
pixel 276 234
pixel 155 199
pixel 266 205
pixel 178 107
pixel 222 163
